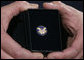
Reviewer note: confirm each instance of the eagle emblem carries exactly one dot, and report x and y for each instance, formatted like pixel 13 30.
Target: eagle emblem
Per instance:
pixel 41 30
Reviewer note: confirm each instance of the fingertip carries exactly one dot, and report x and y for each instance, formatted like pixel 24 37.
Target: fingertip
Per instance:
pixel 53 3
pixel 55 55
pixel 45 58
pixel 45 4
pixel 34 6
pixel 51 56
pixel 38 55
pixel 56 2
pixel 49 5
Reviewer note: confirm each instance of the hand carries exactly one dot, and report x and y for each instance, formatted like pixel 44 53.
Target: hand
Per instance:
pixel 9 48
pixel 72 20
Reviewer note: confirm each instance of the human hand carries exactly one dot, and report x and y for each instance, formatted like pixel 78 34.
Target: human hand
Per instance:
pixel 9 48
pixel 72 20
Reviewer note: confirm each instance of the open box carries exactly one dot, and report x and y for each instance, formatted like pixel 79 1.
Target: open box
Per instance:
pixel 23 29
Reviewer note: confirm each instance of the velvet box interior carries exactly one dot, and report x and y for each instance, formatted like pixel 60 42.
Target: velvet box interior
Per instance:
pixel 23 29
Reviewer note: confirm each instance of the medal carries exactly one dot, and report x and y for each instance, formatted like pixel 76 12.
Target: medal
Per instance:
pixel 41 30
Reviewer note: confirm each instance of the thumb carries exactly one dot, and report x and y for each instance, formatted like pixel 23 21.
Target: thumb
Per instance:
pixel 7 12
pixel 63 8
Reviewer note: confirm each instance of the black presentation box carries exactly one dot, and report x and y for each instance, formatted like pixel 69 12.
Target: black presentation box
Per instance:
pixel 24 29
